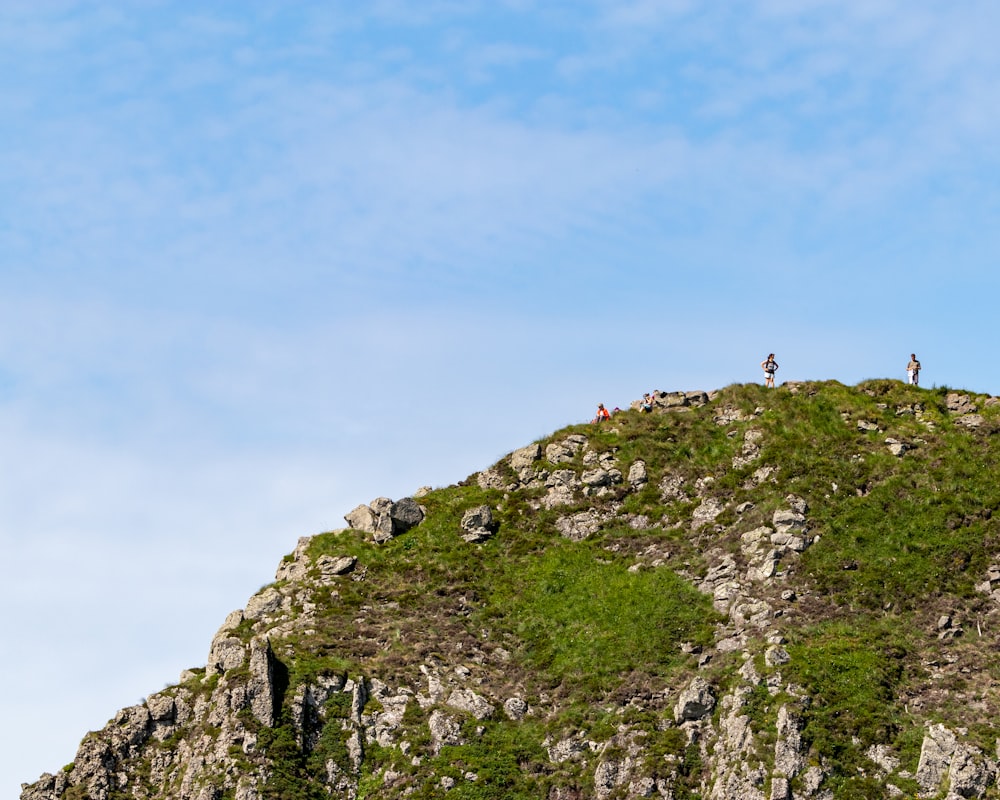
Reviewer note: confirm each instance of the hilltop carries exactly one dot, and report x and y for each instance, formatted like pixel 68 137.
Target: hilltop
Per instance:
pixel 748 593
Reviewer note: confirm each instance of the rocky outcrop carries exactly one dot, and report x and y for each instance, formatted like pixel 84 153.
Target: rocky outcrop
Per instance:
pixel 478 524
pixel 385 519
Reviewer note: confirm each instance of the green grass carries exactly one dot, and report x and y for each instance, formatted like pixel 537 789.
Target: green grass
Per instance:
pixel 853 673
pixel 588 621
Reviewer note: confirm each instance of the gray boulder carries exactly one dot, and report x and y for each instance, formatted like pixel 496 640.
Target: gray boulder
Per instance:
pixel 405 514
pixel 362 518
pixel 525 457
pixel 385 519
pixel 695 702
pixel 960 403
pixel 478 524
pixel 935 757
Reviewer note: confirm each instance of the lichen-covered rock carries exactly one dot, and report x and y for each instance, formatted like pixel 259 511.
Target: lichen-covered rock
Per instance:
pixel 935 757
pixel 472 703
pixel 695 702
pixel 525 456
pixel 444 730
pixel 385 519
pixel 478 524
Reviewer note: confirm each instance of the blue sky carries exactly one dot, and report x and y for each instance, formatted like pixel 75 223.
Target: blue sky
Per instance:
pixel 261 262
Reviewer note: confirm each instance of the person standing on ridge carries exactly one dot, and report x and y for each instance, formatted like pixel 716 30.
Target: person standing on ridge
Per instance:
pixel 913 371
pixel 770 366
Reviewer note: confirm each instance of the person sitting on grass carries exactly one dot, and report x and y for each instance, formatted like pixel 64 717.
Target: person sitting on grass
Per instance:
pixel 602 413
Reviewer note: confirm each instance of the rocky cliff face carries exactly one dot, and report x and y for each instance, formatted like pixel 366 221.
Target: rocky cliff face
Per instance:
pixel 424 652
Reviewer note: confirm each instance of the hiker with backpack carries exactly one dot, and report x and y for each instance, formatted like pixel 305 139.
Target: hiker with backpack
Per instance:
pixel 770 366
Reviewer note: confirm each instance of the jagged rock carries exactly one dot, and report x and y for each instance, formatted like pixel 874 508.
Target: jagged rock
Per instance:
pixel 606 778
pixel 883 756
pixel 812 779
pixel 788 541
pixel 384 527
pixel 959 403
pixel 385 519
pixel 637 475
pixel 472 703
pixel 294 567
pixel 728 415
pixel 725 569
pixel 935 757
pixel 709 509
pixel 579 526
pixel 444 731
pixel 515 708
pixel 405 514
pixel 569 749
pixel 225 654
pixel 971 774
pixel 362 518
pixel 332 566
pixel 161 708
pixel 695 702
pixel 896 447
pixel 786 520
pixel 737 776
pixel 670 399
pixel 490 479
pixel 789 756
pixel 780 789
pixel 308 707
pixel 696 398
pixel 600 477
pixel 477 524
pixel 380 726
pixel 751 448
pixel 797 504
pixel 565 450
pixel 264 604
pixel 776 656
pixel 525 457
pixel 672 488
pixel 562 485
pixel 759 476
pixel 261 685
pixel 763 566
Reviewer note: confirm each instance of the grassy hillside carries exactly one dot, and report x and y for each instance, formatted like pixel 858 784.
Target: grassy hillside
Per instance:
pixel 883 624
